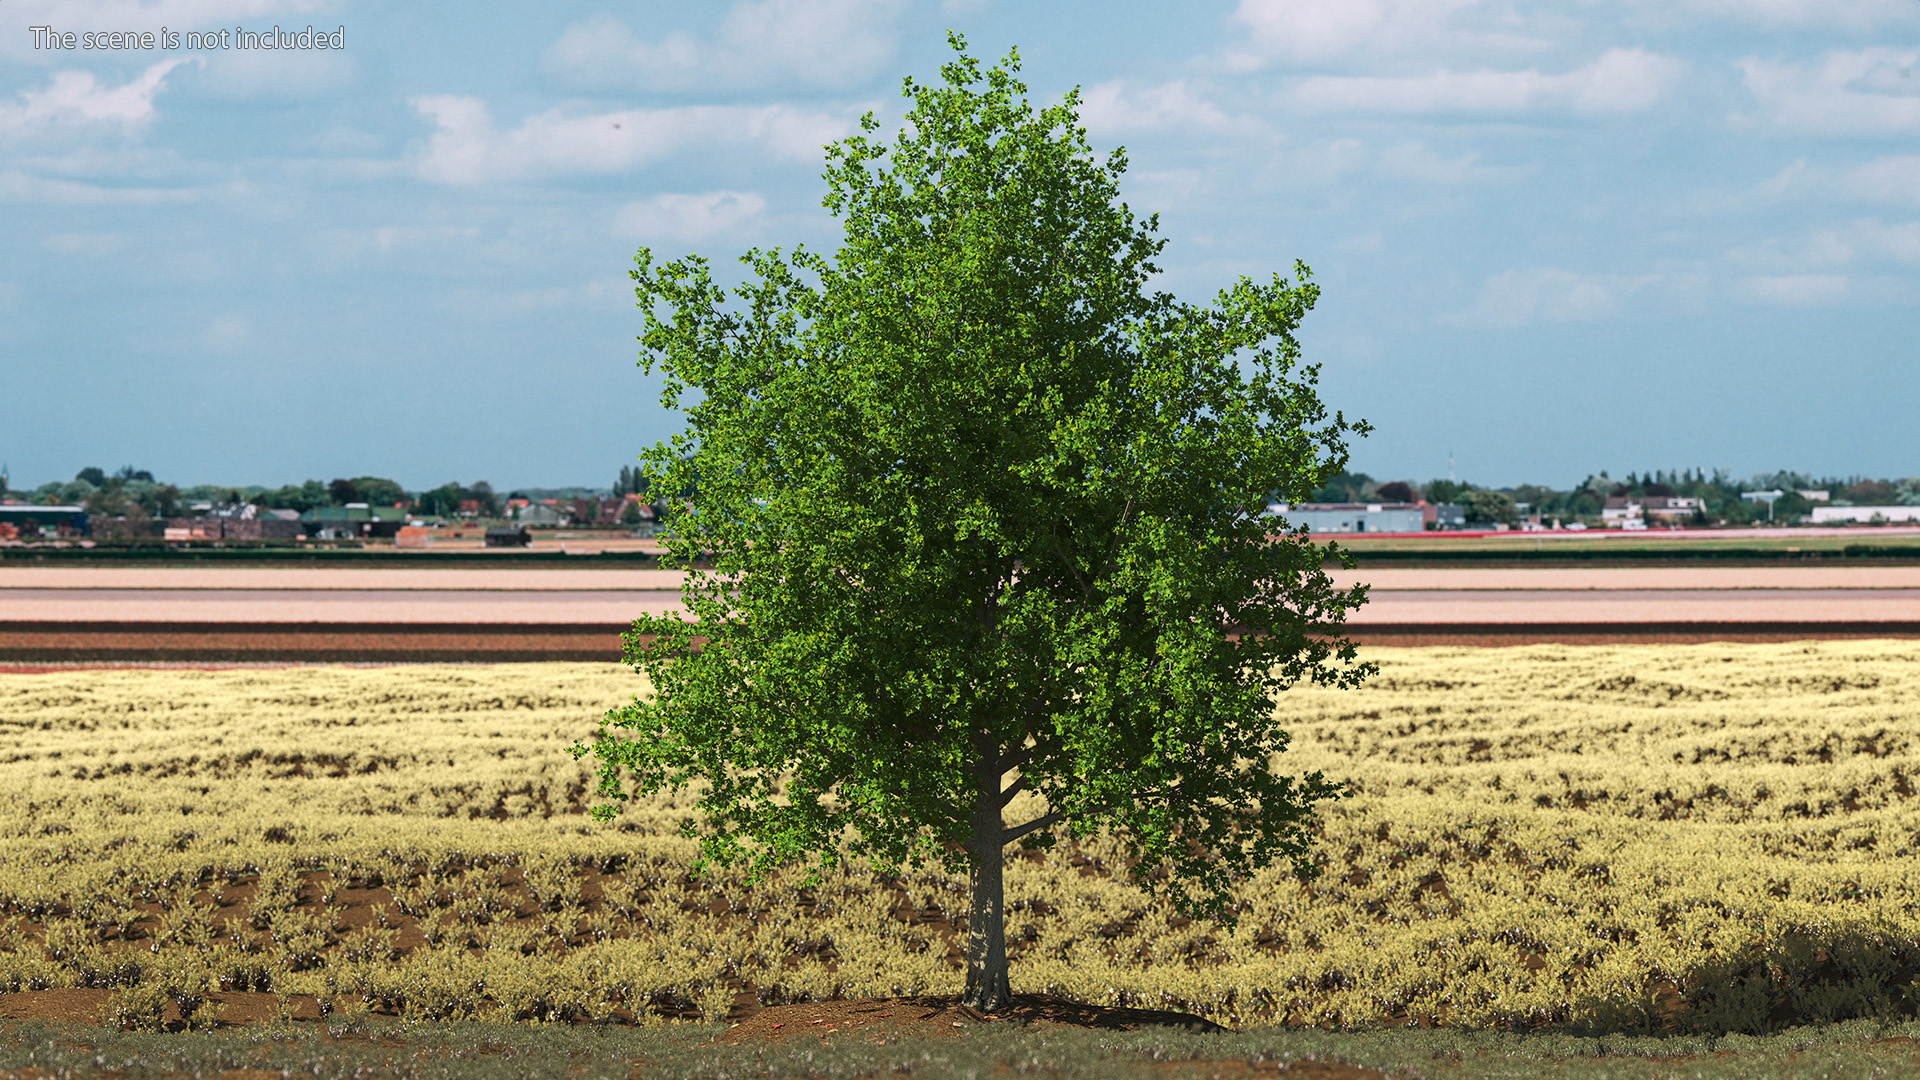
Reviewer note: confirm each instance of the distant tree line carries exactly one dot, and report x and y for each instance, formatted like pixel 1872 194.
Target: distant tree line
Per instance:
pixel 1719 493
pixel 131 492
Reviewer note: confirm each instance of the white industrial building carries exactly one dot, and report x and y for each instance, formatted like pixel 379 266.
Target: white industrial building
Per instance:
pixel 1352 517
pixel 1842 515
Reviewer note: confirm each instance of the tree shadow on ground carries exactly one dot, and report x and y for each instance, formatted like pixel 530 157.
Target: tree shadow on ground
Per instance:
pixel 1815 975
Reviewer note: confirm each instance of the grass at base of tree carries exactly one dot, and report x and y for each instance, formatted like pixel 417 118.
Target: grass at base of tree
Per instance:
pixel 481 1051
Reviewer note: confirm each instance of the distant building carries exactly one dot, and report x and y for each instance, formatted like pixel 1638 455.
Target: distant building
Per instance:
pixel 1847 515
pixel 1621 509
pixel 1351 517
pixel 32 521
pixel 1811 495
pixel 266 526
pixel 598 512
pixel 540 514
pixel 352 521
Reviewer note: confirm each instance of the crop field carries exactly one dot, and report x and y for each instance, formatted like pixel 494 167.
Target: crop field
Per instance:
pixel 1680 839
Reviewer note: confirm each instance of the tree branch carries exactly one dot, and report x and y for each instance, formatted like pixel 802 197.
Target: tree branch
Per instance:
pixel 1047 821
pixel 1055 818
pixel 1125 513
pixel 1015 788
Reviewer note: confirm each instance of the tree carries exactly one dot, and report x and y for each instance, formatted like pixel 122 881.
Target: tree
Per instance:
pixel 301 497
pixel 1446 491
pixel 482 493
pixel 1790 506
pixel 92 474
pixel 1867 492
pixel 378 491
pixel 443 501
pixel 982 516
pixel 342 491
pixel 632 482
pixel 1489 507
pixel 166 501
pixel 1398 491
pixel 1344 487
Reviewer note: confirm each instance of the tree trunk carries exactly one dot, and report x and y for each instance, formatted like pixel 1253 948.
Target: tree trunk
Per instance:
pixel 987 987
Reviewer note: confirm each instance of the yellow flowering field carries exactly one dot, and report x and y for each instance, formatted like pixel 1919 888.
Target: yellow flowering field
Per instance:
pixel 1637 838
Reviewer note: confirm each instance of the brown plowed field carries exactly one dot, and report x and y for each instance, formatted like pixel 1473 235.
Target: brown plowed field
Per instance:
pixel 64 615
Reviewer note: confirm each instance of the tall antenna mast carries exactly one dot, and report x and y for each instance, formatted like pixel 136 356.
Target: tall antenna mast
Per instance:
pixel 1449 466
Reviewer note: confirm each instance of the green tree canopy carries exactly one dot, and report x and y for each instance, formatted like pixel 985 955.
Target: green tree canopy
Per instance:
pixel 978 506
pixel 1489 507
pixel 301 497
pixel 375 491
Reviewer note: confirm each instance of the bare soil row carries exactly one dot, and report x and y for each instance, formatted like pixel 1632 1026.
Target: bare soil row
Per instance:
pixel 32 647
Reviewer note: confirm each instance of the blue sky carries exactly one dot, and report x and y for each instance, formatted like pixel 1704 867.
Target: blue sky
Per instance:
pixel 1553 238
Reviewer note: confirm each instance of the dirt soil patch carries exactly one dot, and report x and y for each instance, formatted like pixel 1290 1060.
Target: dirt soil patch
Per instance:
pixel 879 1020
pixel 874 1019
pixel 65 1006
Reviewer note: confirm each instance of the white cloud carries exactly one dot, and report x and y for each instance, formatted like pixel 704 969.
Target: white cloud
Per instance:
pixel 1850 14
pixel 1307 31
pixel 1115 108
pixel 76 99
pixel 1862 92
pixel 1161 188
pixel 1895 178
pixel 1621 80
pixel 1319 31
pixel 85 243
pixel 823 43
pixel 1865 241
pixel 227 332
pixel 498 304
pixel 1366 243
pixel 131 14
pixel 280 75
pixel 1795 290
pixel 390 237
pixel 467 150
pixel 1545 294
pixel 686 218
pixel 16 186
pixel 1327 161
pixel 1900 242
pixel 1418 161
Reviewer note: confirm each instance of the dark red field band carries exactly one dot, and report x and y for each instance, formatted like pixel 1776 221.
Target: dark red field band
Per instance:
pixel 120 642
